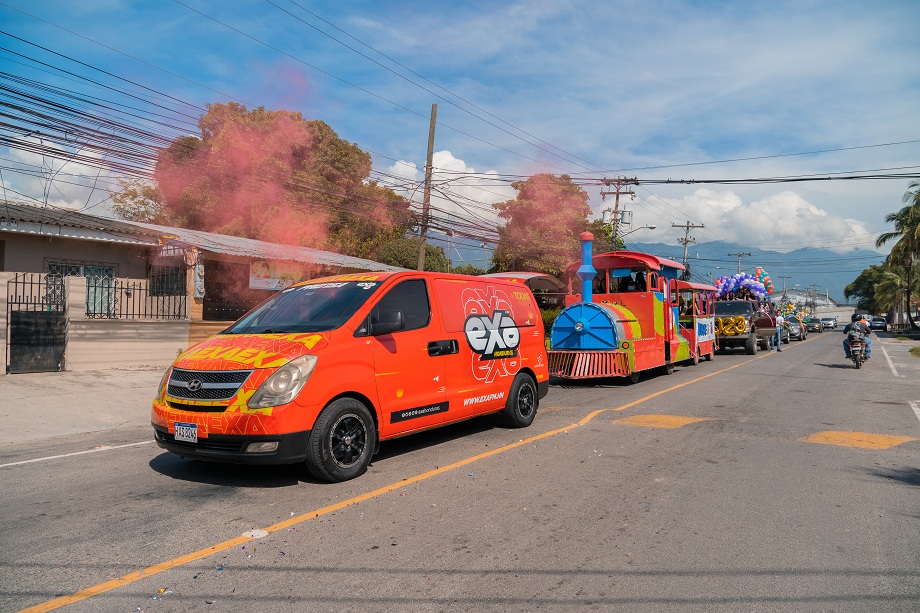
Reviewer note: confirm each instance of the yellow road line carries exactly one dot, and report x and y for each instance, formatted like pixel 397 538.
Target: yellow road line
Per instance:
pixel 95 590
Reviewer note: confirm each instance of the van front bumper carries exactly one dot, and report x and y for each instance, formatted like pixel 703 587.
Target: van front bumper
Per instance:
pixel 292 447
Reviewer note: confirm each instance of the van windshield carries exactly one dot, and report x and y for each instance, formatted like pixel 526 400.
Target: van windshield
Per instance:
pixel 307 308
pixel 734 307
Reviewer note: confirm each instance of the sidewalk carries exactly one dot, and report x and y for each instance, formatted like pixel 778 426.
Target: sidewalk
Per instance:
pixel 41 405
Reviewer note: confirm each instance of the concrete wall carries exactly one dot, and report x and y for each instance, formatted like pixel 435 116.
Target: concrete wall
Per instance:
pixel 27 253
pixel 97 344
pixel 4 280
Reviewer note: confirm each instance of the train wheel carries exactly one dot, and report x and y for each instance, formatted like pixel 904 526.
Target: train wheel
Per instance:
pixel 711 355
pixel 634 377
pixel 668 368
pixel 696 357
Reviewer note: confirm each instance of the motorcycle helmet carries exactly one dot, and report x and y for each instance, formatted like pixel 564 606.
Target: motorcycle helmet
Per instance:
pixel 855 317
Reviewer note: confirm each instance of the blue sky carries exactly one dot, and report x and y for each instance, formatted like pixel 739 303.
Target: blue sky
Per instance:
pixel 651 89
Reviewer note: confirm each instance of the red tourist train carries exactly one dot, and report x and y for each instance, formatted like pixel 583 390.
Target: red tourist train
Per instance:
pixel 628 318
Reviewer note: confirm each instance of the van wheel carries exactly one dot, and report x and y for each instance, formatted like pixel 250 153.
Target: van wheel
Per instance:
pixel 342 441
pixel 521 407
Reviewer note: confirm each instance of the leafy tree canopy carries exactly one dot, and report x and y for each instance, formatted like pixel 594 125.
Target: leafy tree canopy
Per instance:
pixel 543 224
pixel 863 288
pixel 273 176
pixel 404 252
pixel 138 201
pixel 467 269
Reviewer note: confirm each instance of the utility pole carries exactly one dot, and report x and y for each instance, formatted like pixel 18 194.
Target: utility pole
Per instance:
pixel 618 184
pixel 739 256
pixel 784 277
pixel 685 241
pixel 426 201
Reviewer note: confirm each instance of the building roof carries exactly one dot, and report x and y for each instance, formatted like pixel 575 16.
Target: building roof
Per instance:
pixel 54 221
pixel 262 250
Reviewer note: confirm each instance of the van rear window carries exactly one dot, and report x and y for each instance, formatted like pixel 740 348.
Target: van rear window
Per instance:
pixel 315 307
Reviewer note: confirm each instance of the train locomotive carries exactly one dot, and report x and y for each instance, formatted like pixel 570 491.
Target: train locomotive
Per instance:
pixel 628 318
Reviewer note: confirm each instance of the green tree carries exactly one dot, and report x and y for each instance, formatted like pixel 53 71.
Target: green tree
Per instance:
pixel 138 201
pixel 543 224
pixel 275 176
pixel 466 269
pixel 906 250
pixel 864 286
pixel 403 252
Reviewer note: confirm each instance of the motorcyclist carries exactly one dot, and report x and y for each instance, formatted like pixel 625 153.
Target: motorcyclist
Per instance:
pixel 860 325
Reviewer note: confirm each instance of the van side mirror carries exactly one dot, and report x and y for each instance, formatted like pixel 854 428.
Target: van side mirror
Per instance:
pixel 387 323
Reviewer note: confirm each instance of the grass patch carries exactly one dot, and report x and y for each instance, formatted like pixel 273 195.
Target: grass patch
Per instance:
pixel 915 351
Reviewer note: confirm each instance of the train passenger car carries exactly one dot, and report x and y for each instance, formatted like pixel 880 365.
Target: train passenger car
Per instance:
pixel 624 321
pixel 696 318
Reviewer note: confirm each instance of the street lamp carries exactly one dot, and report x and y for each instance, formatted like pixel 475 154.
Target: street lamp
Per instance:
pixel 637 229
pixel 618 238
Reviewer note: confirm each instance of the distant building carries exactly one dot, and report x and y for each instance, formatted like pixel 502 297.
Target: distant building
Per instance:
pixel 804 298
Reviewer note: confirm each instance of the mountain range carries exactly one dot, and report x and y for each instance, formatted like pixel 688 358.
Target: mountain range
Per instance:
pixel 821 269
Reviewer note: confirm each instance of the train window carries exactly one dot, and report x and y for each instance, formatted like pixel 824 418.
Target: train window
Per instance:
pixel 653 283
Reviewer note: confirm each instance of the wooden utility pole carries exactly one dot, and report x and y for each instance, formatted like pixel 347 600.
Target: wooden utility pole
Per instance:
pixel 618 184
pixel 685 241
pixel 739 256
pixel 426 201
pixel 784 277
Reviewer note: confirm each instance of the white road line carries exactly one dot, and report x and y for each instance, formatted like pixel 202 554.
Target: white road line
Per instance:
pixel 67 455
pixel 894 371
pixel 915 407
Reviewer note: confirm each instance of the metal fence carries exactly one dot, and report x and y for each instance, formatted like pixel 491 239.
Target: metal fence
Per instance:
pixel 108 298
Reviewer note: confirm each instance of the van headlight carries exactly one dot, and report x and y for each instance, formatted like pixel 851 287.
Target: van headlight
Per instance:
pixel 284 384
pixel 161 390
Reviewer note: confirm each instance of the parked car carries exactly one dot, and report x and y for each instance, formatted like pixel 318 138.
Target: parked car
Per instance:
pixel 813 324
pixel 878 323
pixel 797 330
pixel 829 323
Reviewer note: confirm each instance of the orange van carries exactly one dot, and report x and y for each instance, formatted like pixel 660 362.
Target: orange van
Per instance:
pixel 323 371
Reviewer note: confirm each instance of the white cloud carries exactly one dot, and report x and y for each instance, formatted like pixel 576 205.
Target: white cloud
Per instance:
pixel 783 221
pixel 457 199
pixel 59 183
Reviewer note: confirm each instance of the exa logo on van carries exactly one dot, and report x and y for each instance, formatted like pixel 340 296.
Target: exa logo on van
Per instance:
pixel 493 338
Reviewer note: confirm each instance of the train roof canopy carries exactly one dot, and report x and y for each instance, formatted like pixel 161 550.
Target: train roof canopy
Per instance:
pixel 700 286
pixel 627 259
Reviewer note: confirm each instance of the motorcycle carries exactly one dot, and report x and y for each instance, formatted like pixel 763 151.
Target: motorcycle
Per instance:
pixel 857 349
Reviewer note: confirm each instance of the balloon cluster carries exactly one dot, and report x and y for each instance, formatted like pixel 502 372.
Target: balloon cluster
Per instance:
pixel 789 311
pixel 741 283
pixel 761 275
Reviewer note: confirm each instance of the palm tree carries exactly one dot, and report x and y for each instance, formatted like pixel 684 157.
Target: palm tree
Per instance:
pixel 907 234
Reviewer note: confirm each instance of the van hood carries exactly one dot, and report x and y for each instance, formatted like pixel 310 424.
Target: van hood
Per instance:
pixel 247 351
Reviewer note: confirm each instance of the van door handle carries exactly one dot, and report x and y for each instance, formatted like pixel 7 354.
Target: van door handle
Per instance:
pixel 436 348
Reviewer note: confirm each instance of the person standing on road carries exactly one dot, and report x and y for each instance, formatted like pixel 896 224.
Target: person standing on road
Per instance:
pixel 780 320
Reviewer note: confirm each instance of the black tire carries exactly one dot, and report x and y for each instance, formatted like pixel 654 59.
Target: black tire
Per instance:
pixel 858 363
pixel 523 401
pixel 342 441
pixel 696 357
pixel 750 346
pixel 668 368
pixel 634 377
pixel 709 356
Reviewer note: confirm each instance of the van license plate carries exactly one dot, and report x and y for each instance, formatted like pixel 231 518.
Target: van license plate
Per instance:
pixel 187 433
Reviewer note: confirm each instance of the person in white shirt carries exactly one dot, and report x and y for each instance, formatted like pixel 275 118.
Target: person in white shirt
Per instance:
pixel 780 320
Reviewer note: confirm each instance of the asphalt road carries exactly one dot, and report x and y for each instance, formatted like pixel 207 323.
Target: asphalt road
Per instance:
pixel 774 482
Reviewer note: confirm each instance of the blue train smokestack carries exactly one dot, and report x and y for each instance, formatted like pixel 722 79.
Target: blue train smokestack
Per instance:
pixel 586 271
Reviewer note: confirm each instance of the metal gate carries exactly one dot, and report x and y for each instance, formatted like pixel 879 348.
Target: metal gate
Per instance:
pixel 36 334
